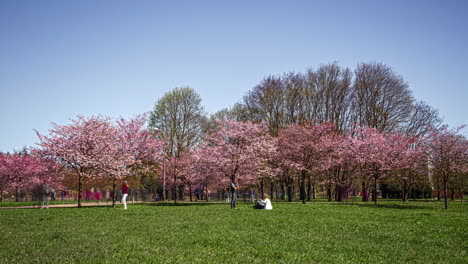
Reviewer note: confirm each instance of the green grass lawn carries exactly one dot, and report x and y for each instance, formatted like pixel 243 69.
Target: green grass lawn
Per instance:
pixel 36 203
pixel 391 232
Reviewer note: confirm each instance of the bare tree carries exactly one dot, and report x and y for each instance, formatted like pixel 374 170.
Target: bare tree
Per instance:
pixel 381 97
pixel 422 118
pixel 266 103
pixel 293 104
pixel 309 99
pixel 334 92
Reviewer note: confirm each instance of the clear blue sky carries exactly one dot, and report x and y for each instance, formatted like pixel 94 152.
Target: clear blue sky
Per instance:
pixel 63 58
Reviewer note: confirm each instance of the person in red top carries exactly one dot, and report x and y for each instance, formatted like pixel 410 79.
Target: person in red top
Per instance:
pixel 124 194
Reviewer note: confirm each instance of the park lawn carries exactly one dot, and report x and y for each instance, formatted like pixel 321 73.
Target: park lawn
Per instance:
pixel 391 232
pixel 36 203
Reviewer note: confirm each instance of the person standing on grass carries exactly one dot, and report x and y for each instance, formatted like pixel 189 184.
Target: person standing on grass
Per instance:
pixel 234 192
pixel 124 194
pixel 45 189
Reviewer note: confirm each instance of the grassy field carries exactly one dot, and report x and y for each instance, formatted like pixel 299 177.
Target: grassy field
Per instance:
pixel 392 232
pixel 36 203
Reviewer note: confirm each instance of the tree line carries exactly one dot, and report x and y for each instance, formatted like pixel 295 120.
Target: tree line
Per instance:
pixel 373 97
pixel 331 129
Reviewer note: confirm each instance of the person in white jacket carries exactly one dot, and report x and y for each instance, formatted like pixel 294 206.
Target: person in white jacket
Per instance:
pixel 264 204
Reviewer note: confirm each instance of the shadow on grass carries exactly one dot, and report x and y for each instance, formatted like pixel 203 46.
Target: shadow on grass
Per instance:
pixel 180 203
pixel 397 206
pixel 385 205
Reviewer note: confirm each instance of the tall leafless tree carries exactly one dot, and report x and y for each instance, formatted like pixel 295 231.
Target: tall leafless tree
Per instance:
pixel 293 104
pixel 333 92
pixel 266 103
pixel 381 97
pixel 422 118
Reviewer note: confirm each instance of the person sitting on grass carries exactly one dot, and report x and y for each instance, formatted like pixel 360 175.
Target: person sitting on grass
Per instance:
pixel 264 204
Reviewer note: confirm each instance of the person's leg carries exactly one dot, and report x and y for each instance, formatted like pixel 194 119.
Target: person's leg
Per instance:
pixel 124 200
pixel 234 201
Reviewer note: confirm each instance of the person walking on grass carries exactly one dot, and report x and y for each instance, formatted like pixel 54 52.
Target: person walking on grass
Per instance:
pixel 124 194
pixel 234 192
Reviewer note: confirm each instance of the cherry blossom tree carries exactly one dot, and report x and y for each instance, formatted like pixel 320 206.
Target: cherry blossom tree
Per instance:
pixel 374 157
pixel 144 147
pixel 340 161
pixel 142 143
pixel 17 171
pixel 88 146
pixel 175 168
pixel 303 149
pixel 23 171
pixel 448 155
pixel 410 162
pixel 3 175
pixel 238 149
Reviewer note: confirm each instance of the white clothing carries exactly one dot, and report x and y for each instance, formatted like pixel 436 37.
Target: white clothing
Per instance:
pixel 268 205
pixel 124 200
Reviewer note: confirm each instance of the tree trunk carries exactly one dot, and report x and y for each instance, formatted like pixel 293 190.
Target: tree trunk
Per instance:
pixel 404 194
pixel 314 195
pixel 283 190
pixel 290 192
pixel 302 187
pixel 80 187
pixel 272 186
pixel 1 196
pixel 329 192
pixel 340 193
pixel 461 192
pixel 309 187
pixel 114 185
pixel 207 197
pixel 190 190
pixel 262 189
pixel 445 193
pixel 175 189
pixel 375 190
pixel 181 193
pixel 164 181
pixel 365 192
pixel 277 191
